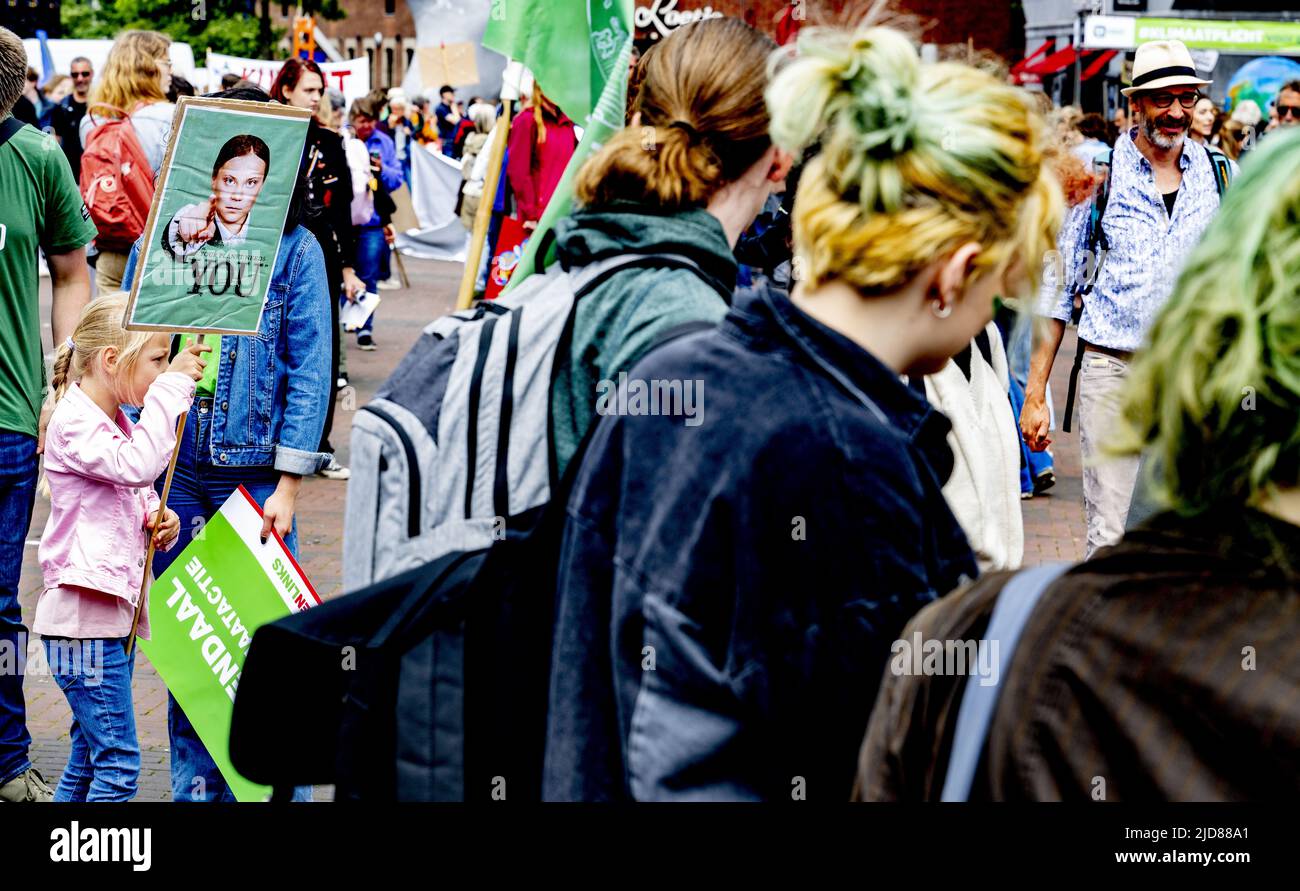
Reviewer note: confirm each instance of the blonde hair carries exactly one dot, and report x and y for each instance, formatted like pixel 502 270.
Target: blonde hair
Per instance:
pixel 703 120
pixel 99 328
pixel 131 75
pixel 915 160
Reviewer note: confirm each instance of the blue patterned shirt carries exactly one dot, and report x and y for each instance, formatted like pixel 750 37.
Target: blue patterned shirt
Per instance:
pixel 1147 246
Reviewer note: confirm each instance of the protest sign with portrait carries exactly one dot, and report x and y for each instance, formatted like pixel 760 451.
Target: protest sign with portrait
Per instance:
pixel 218 215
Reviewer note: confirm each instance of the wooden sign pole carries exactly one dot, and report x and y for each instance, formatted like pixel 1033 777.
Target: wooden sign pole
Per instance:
pixel 484 215
pixel 162 506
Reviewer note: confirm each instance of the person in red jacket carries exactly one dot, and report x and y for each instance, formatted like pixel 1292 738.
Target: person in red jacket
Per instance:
pixel 541 144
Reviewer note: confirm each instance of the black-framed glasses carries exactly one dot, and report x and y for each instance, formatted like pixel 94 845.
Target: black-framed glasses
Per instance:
pixel 1165 100
pixel 80 74
pixel 1288 111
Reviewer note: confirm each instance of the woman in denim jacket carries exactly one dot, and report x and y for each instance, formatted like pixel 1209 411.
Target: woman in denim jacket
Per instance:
pixel 737 563
pixel 257 421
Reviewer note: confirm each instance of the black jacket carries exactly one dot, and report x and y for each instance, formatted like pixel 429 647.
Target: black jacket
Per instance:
pixel 327 208
pixel 731 581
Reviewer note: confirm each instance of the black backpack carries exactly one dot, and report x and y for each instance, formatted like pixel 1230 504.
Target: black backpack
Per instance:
pixel 430 685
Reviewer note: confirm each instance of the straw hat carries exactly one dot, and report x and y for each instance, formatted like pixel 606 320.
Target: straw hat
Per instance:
pixel 1161 64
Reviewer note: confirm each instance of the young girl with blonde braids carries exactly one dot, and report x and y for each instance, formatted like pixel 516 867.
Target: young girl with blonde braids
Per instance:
pixel 100 469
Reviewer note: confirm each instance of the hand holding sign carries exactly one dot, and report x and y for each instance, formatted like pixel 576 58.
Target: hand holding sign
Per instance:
pixel 196 223
pixel 189 363
pixel 166 533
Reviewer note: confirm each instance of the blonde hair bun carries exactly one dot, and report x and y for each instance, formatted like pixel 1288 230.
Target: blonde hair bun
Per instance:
pixel 865 80
pixel 913 159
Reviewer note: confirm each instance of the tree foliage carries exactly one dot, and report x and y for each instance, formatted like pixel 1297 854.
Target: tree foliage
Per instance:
pixel 225 26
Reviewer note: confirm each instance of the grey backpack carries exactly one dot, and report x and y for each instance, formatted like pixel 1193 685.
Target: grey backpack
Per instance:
pixel 456 444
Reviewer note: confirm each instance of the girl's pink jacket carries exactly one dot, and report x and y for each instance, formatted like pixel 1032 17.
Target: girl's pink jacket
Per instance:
pixel 101 477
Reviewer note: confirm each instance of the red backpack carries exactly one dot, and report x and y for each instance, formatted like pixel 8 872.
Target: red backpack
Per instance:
pixel 116 183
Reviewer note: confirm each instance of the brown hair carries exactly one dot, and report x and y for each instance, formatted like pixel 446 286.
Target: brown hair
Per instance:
pixel 703 120
pixel 290 73
pixel 13 70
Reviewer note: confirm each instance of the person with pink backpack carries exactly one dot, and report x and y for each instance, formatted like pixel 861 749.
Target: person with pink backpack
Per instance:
pixel 125 132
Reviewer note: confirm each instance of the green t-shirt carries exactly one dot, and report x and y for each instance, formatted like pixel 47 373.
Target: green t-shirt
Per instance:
pixel 39 206
pixel 206 385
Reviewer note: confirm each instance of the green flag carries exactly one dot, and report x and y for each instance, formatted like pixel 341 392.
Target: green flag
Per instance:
pixel 572 47
pixel 552 38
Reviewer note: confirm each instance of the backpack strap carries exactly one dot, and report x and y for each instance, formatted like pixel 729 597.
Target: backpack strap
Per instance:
pixel 593 275
pixel 584 281
pixel 1015 604
pixel 8 128
pixel 1222 169
pixel 1098 246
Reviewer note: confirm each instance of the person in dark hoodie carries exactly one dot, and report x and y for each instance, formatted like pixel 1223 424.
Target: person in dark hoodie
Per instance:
pixel 686 178
pixel 732 576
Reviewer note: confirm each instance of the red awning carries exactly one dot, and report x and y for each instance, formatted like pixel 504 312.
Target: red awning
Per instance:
pixel 1097 64
pixel 1020 66
pixel 1057 61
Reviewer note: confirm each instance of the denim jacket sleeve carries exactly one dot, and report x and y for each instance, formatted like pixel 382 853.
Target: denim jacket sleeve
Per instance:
pixel 307 361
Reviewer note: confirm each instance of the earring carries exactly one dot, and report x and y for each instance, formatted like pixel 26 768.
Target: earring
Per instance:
pixel 940 309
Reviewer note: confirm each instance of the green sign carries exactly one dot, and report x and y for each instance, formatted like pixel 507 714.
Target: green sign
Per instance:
pixel 1228 36
pixel 218 214
pixel 202 614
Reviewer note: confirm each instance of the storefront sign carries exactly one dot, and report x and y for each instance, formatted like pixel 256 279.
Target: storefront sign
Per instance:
pixel 663 16
pixel 1243 37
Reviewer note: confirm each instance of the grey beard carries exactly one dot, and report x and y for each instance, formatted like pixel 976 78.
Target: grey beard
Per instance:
pixel 1156 138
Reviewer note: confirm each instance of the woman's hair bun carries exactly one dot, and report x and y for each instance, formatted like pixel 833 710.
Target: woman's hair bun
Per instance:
pixel 855 87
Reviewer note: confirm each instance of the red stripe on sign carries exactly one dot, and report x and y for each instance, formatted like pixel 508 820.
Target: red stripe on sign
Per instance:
pixel 288 553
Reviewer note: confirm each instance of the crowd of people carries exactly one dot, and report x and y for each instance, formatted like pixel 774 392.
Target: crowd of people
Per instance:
pixel 882 256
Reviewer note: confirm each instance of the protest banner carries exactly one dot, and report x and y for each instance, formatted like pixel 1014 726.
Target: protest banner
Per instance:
pixel 203 611
pixel 351 77
pixel 447 64
pixel 218 215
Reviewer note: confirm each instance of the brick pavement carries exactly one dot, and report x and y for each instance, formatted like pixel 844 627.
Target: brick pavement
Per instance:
pixel 1053 522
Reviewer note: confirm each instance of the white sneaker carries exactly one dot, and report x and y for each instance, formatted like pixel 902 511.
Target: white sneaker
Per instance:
pixel 335 471
pixel 389 284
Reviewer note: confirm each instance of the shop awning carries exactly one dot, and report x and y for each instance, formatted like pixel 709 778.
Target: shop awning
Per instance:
pixel 1057 61
pixel 1102 60
pixel 1020 66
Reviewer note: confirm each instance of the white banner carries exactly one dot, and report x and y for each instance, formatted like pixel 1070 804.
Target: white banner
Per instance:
pixel 62 52
pixel 435 183
pixel 351 76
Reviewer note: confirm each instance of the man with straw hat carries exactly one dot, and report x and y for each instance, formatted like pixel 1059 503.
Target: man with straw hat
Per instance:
pixel 1121 254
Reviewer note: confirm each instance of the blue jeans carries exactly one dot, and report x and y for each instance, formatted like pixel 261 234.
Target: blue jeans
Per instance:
pixel 95 676
pixel 371 255
pixel 17 494
pixel 199 488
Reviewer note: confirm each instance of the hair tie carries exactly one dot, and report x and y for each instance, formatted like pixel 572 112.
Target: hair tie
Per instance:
pixel 690 131
pixel 72 346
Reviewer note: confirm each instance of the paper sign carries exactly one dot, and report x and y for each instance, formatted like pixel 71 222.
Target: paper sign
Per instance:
pixel 202 614
pixel 452 64
pixel 218 214
pixel 351 77
pixel 354 315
